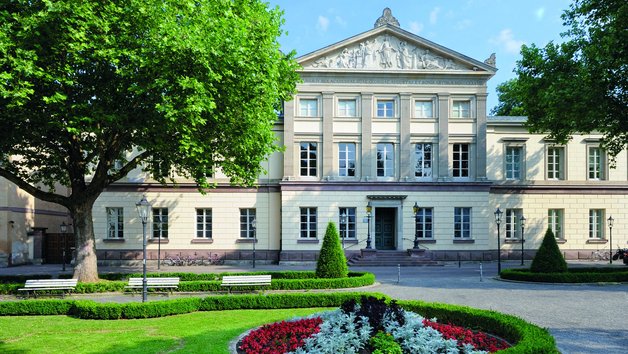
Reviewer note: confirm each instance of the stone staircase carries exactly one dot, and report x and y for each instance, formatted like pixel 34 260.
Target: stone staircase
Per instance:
pixel 391 258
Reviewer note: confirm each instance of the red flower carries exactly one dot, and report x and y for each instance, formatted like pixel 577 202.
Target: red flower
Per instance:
pixel 479 340
pixel 280 337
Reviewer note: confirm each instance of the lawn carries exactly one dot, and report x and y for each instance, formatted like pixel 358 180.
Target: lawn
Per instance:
pixel 198 332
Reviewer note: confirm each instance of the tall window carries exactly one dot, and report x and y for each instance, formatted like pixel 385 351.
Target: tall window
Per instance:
pixel 555 222
pixel 247 216
pixel 385 108
pixel 115 223
pixel 385 160
pixel 423 222
pixel 513 225
pixel 160 222
pixel 461 109
pixel 596 223
pixel 423 158
pixel 462 222
pixel 513 162
pixel 347 228
pixel 461 160
pixel 423 109
pixel 596 163
pixel 308 222
pixel 308 159
pixel 308 107
pixel 204 223
pixel 555 163
pixel 346 159
pixel 346 108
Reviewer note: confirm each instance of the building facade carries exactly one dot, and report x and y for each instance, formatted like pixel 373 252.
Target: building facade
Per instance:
pixel 388 137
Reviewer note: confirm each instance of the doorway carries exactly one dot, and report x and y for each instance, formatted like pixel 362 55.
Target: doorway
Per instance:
pixel 385 229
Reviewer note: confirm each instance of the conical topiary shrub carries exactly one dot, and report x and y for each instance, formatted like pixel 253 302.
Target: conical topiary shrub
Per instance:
pixel 548 258
pixel 331 261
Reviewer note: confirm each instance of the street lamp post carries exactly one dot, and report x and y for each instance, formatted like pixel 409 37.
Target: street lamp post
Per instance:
pixel 416 210
pixel 498 219
pixel 343 235
pixel 64 229
pixel 610 246
pixel 254 226
pixel 523 222
pixel 369 208
pixel 143 208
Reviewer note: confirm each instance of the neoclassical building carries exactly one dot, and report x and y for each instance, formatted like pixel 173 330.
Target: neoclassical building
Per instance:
pixel 388 137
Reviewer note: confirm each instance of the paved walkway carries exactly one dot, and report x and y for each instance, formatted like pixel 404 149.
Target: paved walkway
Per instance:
pixel 588 318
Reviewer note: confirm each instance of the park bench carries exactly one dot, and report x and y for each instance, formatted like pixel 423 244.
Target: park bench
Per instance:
pixel 34 285
pixel 245 280
pixel 154 283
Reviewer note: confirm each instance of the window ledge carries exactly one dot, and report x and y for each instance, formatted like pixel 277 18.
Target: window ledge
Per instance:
pixel 202 240
pixel 314 241
pixel 463 241
pixel 113 240
pixel 427 241
pixel 516 240
pixel 597 242
pixel 246 240
pixel 561 241
pixel 156 240
pixel 351 241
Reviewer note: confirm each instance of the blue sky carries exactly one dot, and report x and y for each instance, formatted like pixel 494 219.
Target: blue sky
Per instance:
pixel 475 28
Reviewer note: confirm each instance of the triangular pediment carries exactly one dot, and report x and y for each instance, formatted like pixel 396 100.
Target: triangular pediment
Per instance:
pixel 390 48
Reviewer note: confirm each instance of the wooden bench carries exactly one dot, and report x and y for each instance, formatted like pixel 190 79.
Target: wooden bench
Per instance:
pixel 34 285
pixel 158 283
pixel 245 280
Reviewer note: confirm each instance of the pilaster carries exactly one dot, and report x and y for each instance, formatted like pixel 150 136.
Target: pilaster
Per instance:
pixel 406 157
pixel 328 135
pixel 366 137
pixel 443 136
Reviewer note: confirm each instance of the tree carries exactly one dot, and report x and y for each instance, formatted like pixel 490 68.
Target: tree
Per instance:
pixel 332 262
pixel 548 258
pixel 579 86
pixel 181 85
pixel 509 102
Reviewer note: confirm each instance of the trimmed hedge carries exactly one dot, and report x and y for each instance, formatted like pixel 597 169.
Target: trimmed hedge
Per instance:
pixel 527 337
pixel 8 279
pixel 573 275
pixel 289 280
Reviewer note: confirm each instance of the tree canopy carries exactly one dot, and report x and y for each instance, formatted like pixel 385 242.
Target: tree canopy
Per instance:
pixel 188 85
pixel 580 85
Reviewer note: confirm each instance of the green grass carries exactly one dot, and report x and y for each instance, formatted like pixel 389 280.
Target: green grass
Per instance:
pixel 199 332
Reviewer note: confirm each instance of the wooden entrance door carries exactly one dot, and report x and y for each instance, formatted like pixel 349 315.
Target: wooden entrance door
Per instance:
pixel 54 248
pixel 385 228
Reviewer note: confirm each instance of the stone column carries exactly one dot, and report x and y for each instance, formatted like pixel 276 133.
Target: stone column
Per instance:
pixel 406 157
pixel 327 150
pixel 288 139
pixel 366 137
pixel 443 136
pixel 480 151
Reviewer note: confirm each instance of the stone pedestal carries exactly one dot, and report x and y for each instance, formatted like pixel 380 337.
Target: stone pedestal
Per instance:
pixel 368 253
pixel 418 254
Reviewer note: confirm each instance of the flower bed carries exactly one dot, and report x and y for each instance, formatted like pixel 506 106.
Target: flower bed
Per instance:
pixel 370 326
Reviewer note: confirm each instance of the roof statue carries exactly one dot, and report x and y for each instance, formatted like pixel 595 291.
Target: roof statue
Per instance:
pixel 386 19
pixel 491 60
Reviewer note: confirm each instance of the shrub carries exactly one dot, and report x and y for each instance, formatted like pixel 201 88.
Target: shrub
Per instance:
pixel 332 262
pixel 576 275
pixel 7 279
pixel 384 343
pixel 548 258
pixel 35 307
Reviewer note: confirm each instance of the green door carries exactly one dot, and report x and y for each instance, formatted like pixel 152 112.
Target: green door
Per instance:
pixel 385 228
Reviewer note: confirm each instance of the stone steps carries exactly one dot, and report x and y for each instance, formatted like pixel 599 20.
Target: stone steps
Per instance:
pixel 391 258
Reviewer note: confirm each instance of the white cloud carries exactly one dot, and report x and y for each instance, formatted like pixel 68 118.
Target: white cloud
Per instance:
pixel 540 13
pixel 341 21
pixel 434 15
pixel 416 27
pixel 507 41
pixel 323 23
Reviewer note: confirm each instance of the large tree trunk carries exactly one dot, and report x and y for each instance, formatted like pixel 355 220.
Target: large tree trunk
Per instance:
pixel 86 268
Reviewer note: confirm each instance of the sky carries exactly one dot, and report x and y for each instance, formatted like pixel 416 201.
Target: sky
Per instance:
pixel 475 28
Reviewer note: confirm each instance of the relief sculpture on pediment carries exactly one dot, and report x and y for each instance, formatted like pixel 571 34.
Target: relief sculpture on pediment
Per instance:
pixel 386 52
